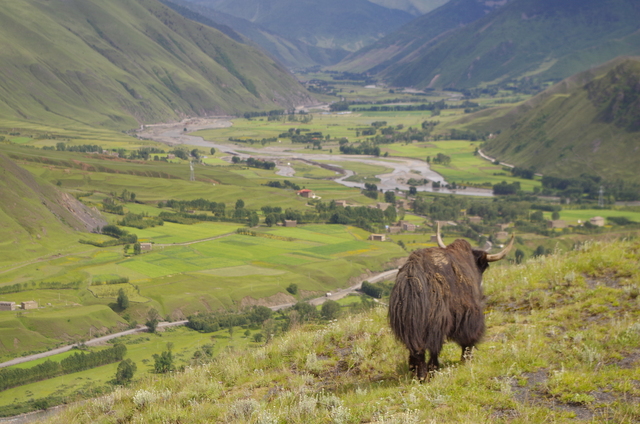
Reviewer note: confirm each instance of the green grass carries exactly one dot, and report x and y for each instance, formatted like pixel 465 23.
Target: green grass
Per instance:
pixel 574 216
pixel 561 345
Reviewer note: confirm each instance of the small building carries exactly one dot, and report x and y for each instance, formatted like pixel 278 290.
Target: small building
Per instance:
pixel 146 247
pixel 597 221
pixel 306 193
pixel 342 203
pixel 7 306
pixel 503 227
pixel 433 239
pixel 474 219
pixel 290 223
pixel 30 304
pixel 407 226
pixel 404 204
pixel 382 206
pixel 377 237
pixel 394 229
pixel 171 156
pixel 557 223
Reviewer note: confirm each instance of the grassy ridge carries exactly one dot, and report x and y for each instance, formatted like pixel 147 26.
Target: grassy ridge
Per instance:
pixel 546 39
pixel 117 64
pixel 562 346
pixel 585 124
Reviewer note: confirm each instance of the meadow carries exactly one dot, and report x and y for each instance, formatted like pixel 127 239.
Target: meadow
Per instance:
pixel 561 346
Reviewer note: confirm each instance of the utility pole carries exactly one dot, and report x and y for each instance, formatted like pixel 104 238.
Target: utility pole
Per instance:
pixel 601 197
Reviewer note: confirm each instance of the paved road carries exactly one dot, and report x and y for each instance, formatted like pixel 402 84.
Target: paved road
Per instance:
pixel 91 342
pixel 339 294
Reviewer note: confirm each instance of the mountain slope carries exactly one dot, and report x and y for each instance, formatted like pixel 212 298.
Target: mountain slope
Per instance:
pixel 589 123
pixel 36 218
pixel 327 24
pixel 119 63
pixel 548 39
pixel 411 39
pixel 290 52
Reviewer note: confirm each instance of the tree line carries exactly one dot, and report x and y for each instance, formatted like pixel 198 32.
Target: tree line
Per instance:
pixel 13 377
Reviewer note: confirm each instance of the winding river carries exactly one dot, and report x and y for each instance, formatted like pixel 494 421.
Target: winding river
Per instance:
pixel 402 168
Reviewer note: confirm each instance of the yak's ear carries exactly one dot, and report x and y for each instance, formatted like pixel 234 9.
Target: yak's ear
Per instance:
pixel 480 257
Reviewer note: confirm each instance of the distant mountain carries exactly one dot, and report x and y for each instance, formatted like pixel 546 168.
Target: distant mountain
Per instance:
pixel 36 218
pixel 588 123
pixel 547 39
pixel 119 63
pixel 408 42
pixel 415 7
pixel 290 52
pixel 333 24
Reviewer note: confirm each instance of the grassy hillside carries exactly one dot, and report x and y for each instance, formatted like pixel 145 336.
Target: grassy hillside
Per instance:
pixel 288 51
pixel 120 63
pixel 561 346
pixel 37 219
pixel 588 123
pixel 407 42
pixel 546 39
pixel 328 24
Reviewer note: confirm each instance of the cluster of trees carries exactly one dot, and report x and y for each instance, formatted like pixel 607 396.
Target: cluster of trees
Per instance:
pixel 440 158
pixel 588 186
pixel 364 148
pixel 252 141
pixel 120 280
pixel 470 135
pixel 370 190
pixel 217 208
pixel 208 323
pixel 122 236
pixel 377 290
pixel 13 377
pixel 254 114
pixel 140 221
pixel 283 184
pixel 44 285
pixel 109 205
pixel 525 173
pixel 255 163
pixel 505 189
pixel 84 148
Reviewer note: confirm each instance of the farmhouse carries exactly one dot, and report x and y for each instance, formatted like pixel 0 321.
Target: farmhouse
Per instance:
pixel 475 219
pixel 7 306
pixel 171 156
pixel 407 226
pixel 394 229
pixel 146 247
pixel 30 304
pixel 597 220
pixel 290 223
pixel 382 206
pixel 502 235
pixel 377 237
pixel 404 204
pixel 503 227
pixel 306 193
pixel 342 203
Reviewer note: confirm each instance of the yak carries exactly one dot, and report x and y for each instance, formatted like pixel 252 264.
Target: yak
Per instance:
pixel 438 296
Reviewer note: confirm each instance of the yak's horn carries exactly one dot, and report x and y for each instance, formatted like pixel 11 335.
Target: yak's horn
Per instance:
pixel 498 256
pixel 439 238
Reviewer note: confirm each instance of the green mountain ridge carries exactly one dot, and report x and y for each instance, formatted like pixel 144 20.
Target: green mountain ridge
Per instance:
pixel 119 63
pixel 588 123
pixel 544 39
pixel 37 218
pixel 420 34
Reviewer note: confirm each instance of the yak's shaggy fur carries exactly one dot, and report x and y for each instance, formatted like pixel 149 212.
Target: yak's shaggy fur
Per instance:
pixel 438 296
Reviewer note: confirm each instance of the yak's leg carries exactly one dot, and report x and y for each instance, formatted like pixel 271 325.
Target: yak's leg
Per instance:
pixel 467 353
pixel 433 364
pixel 417 364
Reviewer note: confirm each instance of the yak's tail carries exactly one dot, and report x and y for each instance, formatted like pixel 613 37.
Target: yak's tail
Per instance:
pixel 417 314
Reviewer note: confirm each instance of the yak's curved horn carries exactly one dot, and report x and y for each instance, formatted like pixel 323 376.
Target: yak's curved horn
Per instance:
pixel 498 256
pixel 439 238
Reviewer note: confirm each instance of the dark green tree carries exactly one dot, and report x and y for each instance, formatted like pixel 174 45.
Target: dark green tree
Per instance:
pixel 163 363
pixel 293 288
pixel 330 309
pixel 126 370
pixel 519 256
pixel 213 151
pixel 153 318
pixel 137 249
pixel 390 197
pixel 239 204
pixel 123 299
